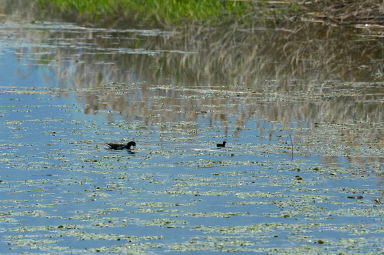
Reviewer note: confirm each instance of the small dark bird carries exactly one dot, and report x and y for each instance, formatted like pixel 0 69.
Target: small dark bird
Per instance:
pixel 221 145
pixel 116 146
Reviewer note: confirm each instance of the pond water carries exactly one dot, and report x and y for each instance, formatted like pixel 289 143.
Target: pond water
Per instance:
pixel 301 109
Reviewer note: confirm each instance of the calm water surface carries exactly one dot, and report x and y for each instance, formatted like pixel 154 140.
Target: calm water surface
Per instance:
pixel 303 125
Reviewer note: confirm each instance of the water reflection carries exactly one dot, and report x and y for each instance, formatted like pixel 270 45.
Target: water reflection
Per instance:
pixel 178 94
pixel 328 81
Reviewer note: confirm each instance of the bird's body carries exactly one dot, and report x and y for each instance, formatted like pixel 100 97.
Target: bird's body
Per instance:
pixel 117 146
pixel 221 145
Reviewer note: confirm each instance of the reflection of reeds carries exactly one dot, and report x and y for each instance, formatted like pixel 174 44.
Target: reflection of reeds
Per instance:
pixel 303 72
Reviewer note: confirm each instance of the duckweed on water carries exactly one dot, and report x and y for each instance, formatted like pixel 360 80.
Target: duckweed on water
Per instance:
pixel 166 192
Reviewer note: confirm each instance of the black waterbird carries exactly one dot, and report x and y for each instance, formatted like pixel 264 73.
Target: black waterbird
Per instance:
pixel 221 145
pixel 116 146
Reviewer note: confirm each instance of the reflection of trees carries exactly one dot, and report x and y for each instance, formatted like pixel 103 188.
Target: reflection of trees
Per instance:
pixel 303 72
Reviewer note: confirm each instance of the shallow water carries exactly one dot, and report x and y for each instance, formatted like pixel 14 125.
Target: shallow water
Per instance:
pixel 299 145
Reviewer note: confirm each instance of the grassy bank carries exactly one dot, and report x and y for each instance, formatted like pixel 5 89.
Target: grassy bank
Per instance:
pixel 170 12
pixel 165 11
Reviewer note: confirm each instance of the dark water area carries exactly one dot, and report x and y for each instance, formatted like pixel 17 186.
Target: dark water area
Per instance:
pixel 300 106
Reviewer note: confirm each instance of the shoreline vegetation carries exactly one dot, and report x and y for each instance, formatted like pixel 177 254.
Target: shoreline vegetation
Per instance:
pixel 170 12
pixel 111 12
pixel 185 12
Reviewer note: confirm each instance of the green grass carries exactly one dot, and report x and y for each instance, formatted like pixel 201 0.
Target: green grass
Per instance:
pixel 164 11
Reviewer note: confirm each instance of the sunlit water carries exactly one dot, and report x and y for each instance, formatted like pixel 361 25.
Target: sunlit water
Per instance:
pixel 280 185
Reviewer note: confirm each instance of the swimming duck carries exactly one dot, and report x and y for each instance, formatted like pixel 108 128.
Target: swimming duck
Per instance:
pixel 116 146
pixel 221 145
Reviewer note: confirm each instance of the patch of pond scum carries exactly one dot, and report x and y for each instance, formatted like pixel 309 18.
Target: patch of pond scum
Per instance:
pixel 299 145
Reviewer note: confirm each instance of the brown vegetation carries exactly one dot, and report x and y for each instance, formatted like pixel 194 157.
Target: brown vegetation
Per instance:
pixel 348 12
